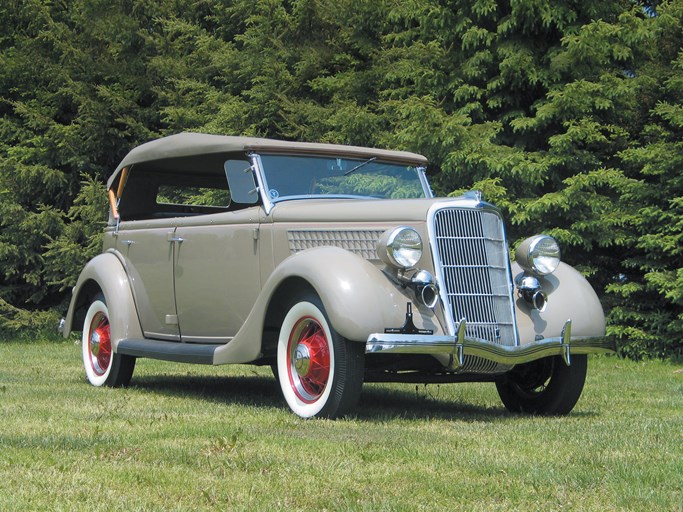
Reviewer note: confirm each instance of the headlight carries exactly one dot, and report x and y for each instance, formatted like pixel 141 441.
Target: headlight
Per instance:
pixel 539 255
pixel 400 247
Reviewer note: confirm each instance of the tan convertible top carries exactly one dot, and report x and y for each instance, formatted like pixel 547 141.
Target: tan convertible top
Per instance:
pixel 188 144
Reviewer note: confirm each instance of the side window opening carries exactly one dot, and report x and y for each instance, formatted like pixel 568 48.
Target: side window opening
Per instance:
pixel 178 197
pixel 193 196
pixel 177 187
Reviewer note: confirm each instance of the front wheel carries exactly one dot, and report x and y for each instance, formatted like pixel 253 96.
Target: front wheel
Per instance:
pixel 102 366
pixel 320 372
pixel 547 386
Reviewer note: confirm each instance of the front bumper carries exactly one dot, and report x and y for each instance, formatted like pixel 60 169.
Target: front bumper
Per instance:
pixel 459 346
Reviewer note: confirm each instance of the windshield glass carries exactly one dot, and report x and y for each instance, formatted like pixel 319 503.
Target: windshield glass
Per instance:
pixel 297 177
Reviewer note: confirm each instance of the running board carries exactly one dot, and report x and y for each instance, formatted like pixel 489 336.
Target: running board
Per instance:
pixel 168 350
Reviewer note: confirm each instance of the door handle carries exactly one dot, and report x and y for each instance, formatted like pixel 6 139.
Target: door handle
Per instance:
pixel 173 238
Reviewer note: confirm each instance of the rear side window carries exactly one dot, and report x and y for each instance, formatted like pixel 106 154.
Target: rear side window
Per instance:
pixel 177 187
pixel 193 196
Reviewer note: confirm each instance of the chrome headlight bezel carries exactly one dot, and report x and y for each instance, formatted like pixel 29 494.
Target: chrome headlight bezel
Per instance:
pixel 539 255
pixel 400 247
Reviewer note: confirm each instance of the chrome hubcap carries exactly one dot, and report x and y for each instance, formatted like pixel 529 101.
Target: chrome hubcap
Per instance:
pixel 95 343
pixel 302 360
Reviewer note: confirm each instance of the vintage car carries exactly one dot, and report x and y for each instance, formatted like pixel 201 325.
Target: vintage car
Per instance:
pixel 333 264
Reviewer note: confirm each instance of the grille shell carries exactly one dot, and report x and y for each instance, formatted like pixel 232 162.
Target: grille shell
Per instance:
pixel 472 264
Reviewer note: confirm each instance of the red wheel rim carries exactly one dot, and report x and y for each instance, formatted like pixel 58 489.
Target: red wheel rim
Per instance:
pixel 100 344
pixel 308 359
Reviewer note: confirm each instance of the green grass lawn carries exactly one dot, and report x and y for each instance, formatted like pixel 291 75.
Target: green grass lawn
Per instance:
pixel 203 438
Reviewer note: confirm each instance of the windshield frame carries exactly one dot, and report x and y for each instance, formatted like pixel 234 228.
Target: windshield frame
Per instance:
pixel 270 202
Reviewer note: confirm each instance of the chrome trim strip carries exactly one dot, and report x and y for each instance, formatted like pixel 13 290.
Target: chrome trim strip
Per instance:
pixel 162 336
pixel 459 346
pixel 207 340
pixel 257 165
pixel 426 187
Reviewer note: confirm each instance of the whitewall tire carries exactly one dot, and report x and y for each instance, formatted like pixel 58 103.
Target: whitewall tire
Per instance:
pixel 102 366
pixel 320 372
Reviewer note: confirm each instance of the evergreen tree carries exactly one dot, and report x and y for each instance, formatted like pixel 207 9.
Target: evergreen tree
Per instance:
pixel 74 95
pixel 567 116
pixel 647 296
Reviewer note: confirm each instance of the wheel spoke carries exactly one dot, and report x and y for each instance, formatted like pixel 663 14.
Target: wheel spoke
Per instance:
pixel 100 345
pixel 310 364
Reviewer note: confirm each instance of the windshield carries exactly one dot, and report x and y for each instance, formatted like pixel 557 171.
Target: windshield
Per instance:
pixel 297 177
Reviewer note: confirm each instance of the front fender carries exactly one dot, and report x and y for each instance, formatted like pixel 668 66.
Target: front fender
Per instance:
pixel 358 298
pixel 107 274
pixel 570 296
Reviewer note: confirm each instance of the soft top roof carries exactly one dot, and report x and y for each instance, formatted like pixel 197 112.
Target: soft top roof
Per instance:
pixel 189 144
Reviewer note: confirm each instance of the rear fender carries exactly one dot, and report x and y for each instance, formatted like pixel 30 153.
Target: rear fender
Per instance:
pixel 105 273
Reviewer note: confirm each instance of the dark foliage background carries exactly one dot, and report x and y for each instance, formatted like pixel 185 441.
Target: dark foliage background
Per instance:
pixel 568 115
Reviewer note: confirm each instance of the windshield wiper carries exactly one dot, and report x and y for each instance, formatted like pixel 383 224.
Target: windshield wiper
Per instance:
pixel 360 165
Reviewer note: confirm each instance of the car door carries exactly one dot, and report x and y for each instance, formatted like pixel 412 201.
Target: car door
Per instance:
pixel 148 251
pixel 217 275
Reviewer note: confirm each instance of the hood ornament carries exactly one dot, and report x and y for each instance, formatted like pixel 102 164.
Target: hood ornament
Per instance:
pixel 473 194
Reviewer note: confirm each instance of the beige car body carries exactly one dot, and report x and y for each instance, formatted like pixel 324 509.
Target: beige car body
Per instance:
pixel 208 288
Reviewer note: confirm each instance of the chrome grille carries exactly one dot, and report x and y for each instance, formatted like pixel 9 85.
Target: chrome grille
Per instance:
pixel 472 255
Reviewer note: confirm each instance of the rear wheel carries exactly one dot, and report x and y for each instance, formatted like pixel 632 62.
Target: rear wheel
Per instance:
pixel 547 386
pixel 102 366
pixel 320 372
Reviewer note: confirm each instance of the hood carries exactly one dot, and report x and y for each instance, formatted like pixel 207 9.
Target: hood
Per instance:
pixel 365 210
